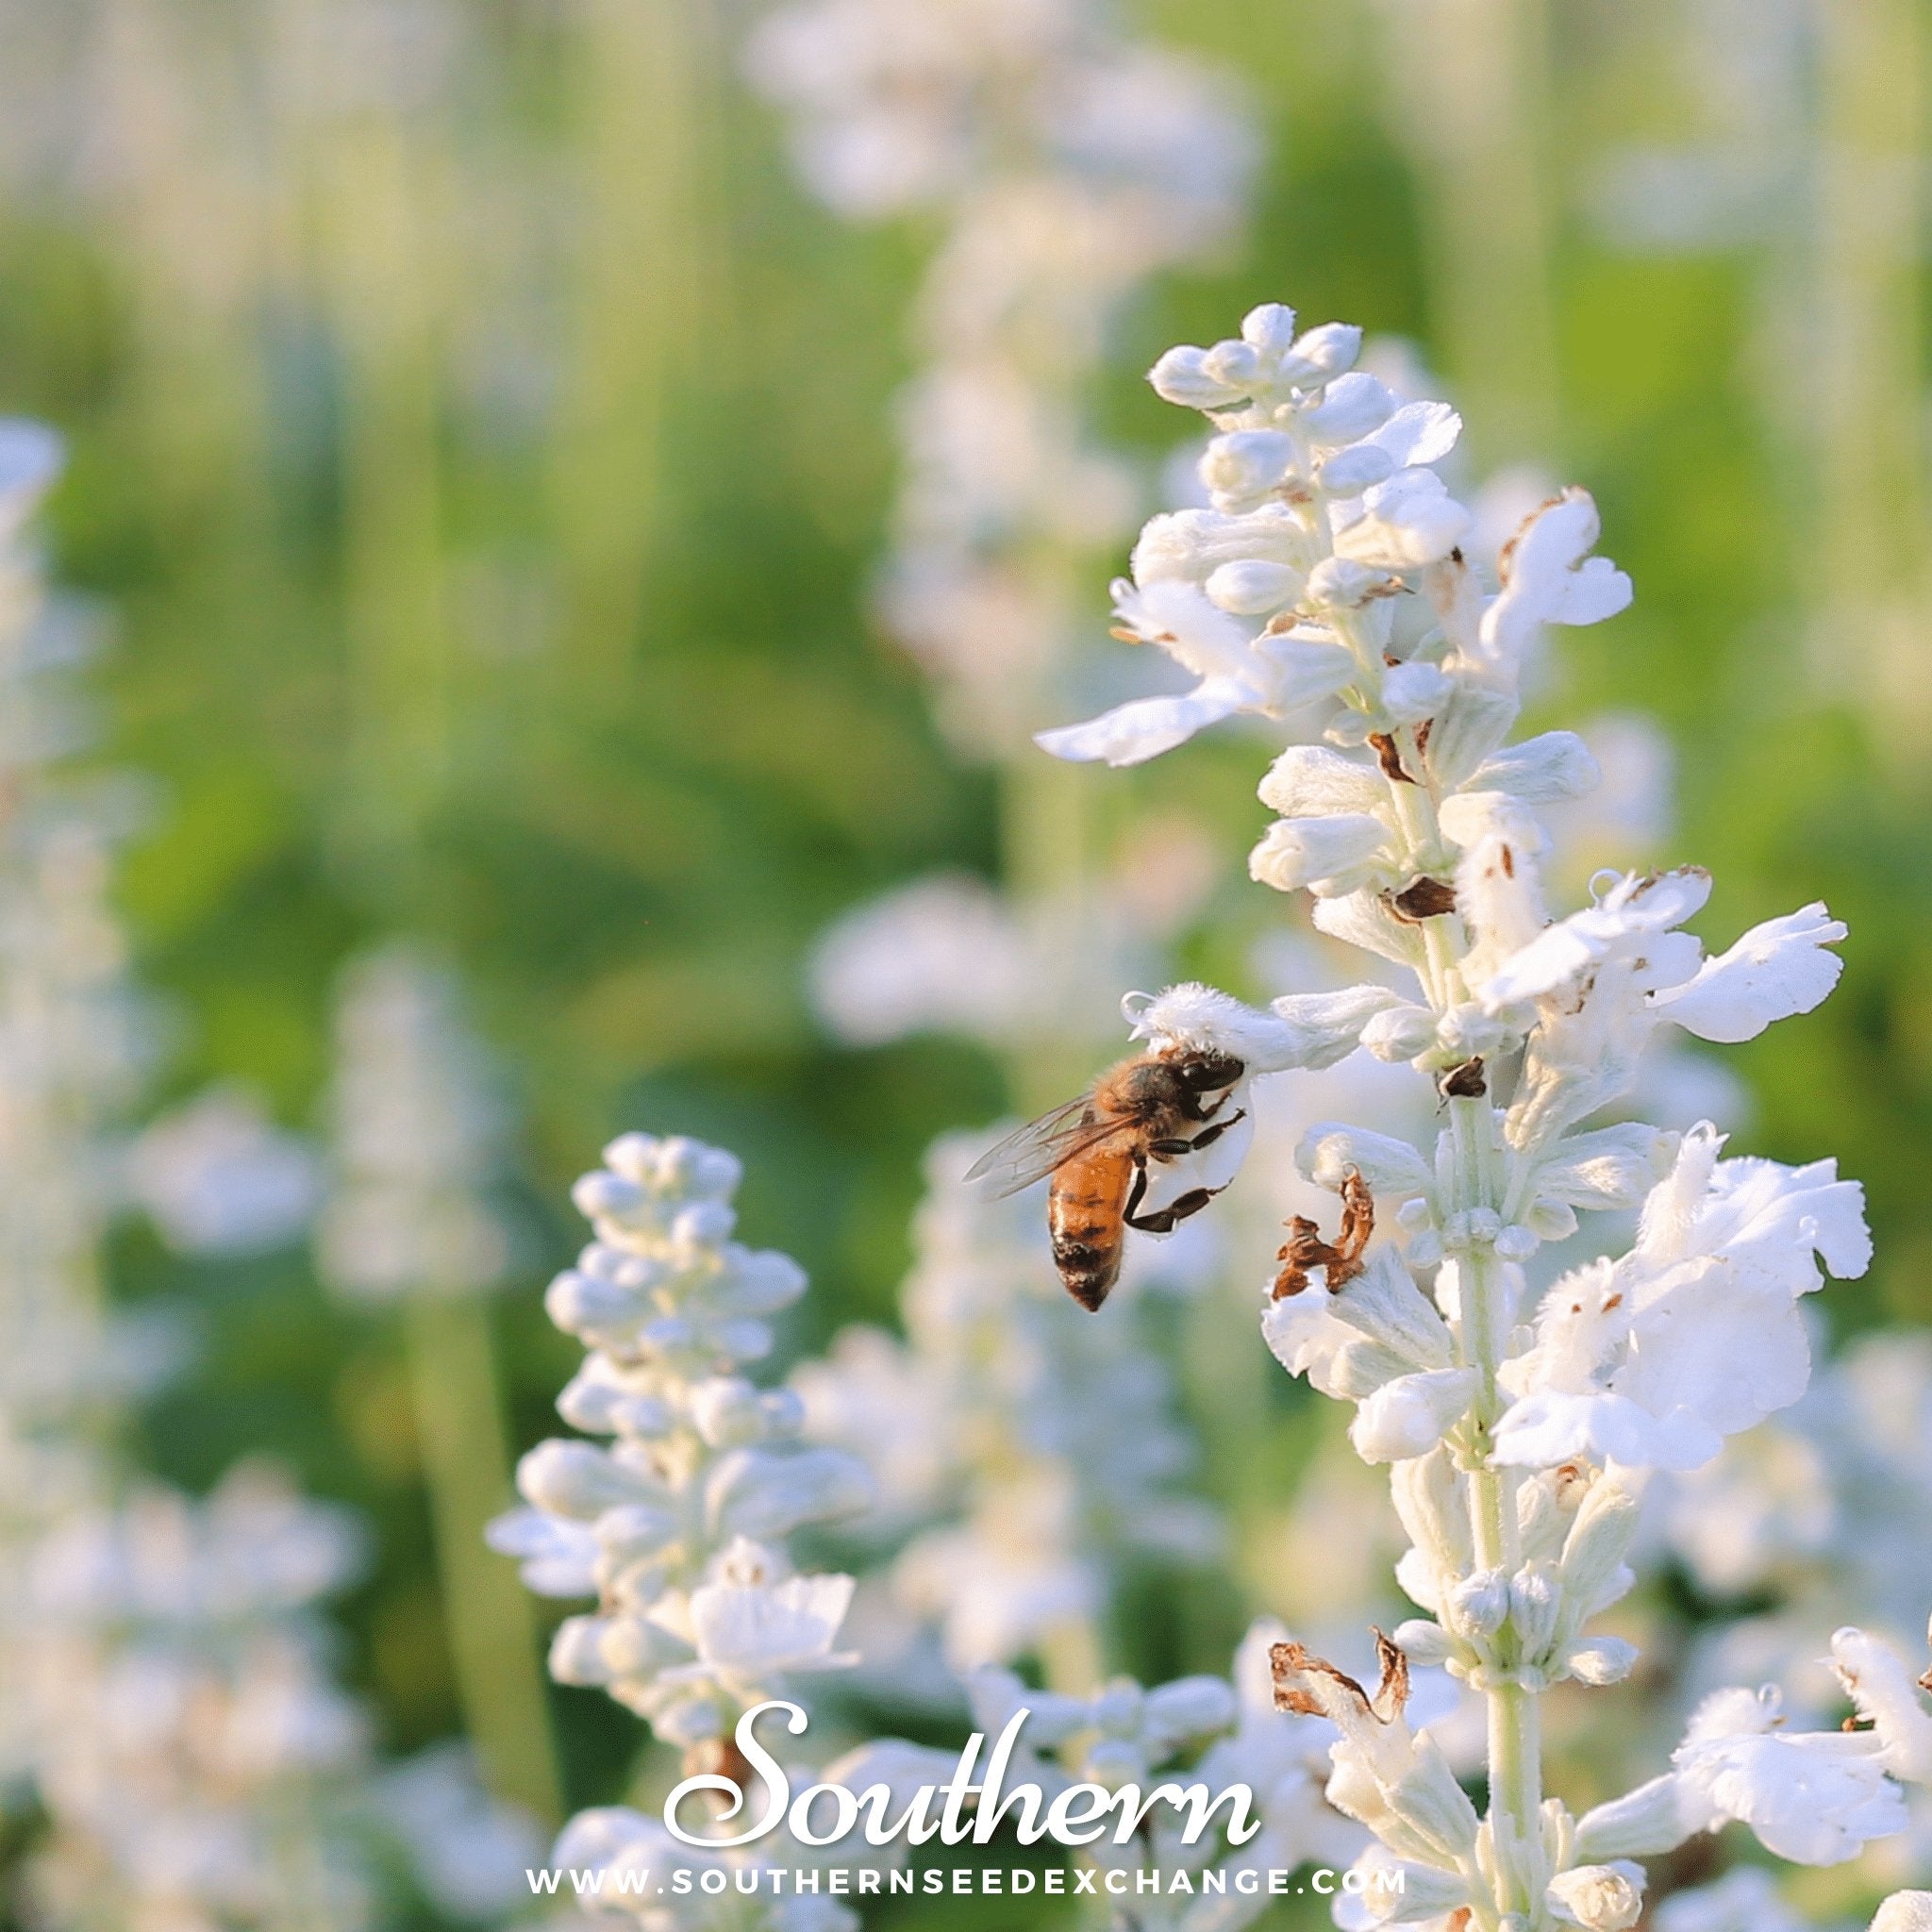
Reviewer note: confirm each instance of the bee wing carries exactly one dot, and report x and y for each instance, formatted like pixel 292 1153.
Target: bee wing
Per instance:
pixel 1031 1153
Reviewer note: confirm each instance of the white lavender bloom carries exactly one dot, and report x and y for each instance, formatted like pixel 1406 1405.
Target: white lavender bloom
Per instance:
pixel 468 1851
pixel 1068 165
pixel 195 1761
pixel 679 1527
pixel 419 1134
pixel 1745 1899
pixel 1518 1452
pixel 1020 1446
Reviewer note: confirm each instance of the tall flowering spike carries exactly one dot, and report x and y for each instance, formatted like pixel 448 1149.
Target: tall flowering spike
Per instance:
pixel 679 1525
pixel 419 1134
pixel 1520 1414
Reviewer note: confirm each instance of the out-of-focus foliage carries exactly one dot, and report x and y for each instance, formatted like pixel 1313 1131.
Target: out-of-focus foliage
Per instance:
pixel 480 447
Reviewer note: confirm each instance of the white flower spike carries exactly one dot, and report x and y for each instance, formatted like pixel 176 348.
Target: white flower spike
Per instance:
pixel 1518 1448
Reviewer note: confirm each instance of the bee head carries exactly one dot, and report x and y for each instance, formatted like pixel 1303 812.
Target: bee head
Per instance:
pixel 1208 1071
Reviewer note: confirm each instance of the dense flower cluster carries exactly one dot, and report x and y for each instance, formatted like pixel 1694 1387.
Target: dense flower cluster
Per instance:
pixel 1328 586
pixel 680 1526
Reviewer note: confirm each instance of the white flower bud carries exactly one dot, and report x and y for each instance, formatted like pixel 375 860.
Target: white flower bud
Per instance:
pixel 1241 468
pixel 1349 472
pixel 1408 521
pixel 727 1410
pixel 634 1157
pixel 1516 1242
pixel 1414 691
pixel 1269 328
pixel 1478 1604
pixel 1338 584
pixel 1425 1643
pixel 1235 364
pixel 1599 1898
pixel 1190 1708
pixel 1182 376
pixel 602 1196
pixel 1248 589
pixel 1294 853
pixel 1400 1033
pixel 578 1480
pixel 1392 1169
pixel 582 1304
pixel 1601 1660
pixel 1308 780
pixel 576 1651
pixel 687 1167
pixel 1410 1415
pixel 1322 354
pixel 1466 1032
pixel 1534 1600
pixel 1352 407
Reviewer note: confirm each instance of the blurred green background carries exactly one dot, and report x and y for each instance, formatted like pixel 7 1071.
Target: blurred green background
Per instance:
pixel 480 452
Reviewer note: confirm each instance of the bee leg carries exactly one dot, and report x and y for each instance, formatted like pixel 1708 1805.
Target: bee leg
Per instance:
pixel 1214 1133
pixel 1172 1150
pixel 1165 1220
pixel 1138 1192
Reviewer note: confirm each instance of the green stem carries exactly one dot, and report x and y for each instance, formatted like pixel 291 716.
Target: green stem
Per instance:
pixel 494 1639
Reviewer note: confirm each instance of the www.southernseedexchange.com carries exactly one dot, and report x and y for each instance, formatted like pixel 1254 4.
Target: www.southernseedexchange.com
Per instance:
pixel 864 1880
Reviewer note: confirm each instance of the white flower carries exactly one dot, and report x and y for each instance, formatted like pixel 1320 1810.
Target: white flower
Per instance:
pixel 1601 980
pixel 1776 969
pixel 1599 1898
pixel 675 1527
pixel 1410 1415
pixel 419 1135
pixel 1815 1797
pixel 220 1178
pixel 1235 673
pixel 1887 1696
pixel 1696 1334
pixel 1744 1900
pixel 1408 521
pixel 1549 577
pixel 1268 361
pixel 751 1629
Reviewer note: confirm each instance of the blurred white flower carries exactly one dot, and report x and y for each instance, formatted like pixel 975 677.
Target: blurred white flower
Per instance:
pixel 469 1850
pixel 1018 1445
pixel 218 1177
pixel 418 1138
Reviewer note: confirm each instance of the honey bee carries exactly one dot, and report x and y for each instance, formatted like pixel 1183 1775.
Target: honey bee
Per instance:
pixel 1152 1108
